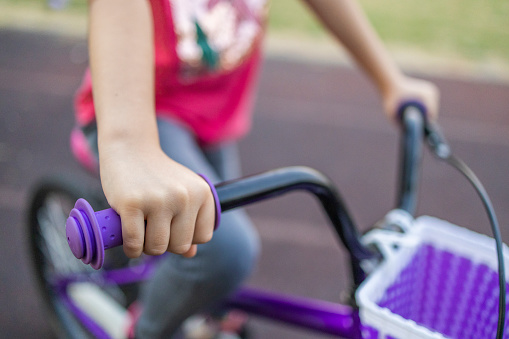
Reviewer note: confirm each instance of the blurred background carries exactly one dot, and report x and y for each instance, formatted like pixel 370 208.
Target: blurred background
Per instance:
pixel 314 108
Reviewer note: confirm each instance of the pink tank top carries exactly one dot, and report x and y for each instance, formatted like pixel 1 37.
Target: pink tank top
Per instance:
pixel 207 57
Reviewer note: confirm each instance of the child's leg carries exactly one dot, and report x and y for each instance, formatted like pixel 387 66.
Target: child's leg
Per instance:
pixel 181 286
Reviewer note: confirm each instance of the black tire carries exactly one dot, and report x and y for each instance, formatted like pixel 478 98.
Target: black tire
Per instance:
pixel 48 210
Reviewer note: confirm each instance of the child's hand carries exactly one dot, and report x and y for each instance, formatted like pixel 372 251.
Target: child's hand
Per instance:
pixel 143 184
pixel 411 89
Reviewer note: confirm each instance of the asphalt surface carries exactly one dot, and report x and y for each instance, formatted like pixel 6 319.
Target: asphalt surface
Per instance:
pixel 323 116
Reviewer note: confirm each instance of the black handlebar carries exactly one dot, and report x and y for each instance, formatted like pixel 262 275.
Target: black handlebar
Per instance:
pixel 274 183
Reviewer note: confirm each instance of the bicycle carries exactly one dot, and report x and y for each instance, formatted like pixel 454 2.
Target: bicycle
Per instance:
pixel 391 265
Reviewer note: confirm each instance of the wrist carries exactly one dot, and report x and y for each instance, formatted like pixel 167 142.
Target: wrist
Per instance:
pixel 124 142
pixel 391 83
pixel 130 129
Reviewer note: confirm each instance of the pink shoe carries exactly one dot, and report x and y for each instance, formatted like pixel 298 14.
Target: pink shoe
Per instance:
pixel 134 313
pixel 231 326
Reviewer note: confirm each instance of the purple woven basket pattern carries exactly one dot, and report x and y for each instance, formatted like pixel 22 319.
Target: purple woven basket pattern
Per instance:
pixel 446 293
pixel 369 332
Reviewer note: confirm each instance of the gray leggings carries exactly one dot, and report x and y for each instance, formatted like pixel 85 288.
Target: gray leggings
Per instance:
pixel 182 287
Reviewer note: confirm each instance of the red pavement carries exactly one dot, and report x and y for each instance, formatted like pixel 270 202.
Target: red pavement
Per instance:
pixel 307 114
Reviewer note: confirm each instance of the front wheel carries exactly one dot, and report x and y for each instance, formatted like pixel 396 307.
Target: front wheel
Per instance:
pixel 48 210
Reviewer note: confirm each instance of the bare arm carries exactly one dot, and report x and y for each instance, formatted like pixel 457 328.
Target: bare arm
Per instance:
pixel 121 53
pixel 139 180
pixel 347 22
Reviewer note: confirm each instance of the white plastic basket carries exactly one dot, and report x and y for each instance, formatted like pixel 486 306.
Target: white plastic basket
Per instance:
pixel 441 282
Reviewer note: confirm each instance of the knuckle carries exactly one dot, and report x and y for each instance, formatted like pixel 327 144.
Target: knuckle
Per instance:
pixel 203 237
pixel 131 234
pixel 156 249
pixel 203 190
pixel 158 243
pixel 180 195
pixel 133 247
pixel 130 203
pixel 157 199
pixel 132 240
pixel 180 248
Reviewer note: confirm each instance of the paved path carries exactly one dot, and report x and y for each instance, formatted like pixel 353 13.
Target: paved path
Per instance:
pixel 307 114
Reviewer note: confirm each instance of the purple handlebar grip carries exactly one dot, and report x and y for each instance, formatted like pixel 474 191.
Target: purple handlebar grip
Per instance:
pixel 411 103
pixel 89 233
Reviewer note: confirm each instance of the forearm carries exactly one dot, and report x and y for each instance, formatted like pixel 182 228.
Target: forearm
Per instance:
pixel 151 192
pixel 347 22
pixel 121 61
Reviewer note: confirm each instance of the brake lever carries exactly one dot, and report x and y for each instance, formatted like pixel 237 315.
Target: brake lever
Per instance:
pixel 436 140
pixel 432 132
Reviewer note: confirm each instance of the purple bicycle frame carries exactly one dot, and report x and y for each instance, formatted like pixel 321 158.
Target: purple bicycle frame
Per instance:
pixel 316 315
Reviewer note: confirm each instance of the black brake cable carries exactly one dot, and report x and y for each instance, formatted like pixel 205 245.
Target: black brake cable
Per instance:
pixel 441 149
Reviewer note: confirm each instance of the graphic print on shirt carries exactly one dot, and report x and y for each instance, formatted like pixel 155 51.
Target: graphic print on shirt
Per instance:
pixel 214 36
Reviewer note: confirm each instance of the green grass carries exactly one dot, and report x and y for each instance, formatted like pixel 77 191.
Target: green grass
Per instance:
pixel 36 15
pixel 292 18
pixel 475 30
pixel 73 5
pixel 472 29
